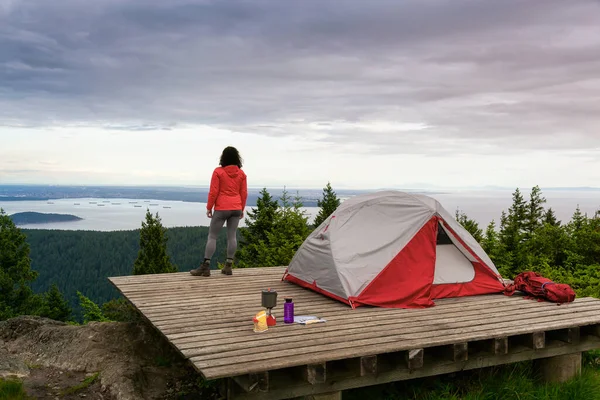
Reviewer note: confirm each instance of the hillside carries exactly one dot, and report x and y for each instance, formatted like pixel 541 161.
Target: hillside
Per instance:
pixel 30 217
pixel 108 361
pixel 82 260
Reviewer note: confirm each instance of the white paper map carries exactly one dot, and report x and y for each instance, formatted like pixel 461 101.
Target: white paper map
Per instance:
pixel 304 319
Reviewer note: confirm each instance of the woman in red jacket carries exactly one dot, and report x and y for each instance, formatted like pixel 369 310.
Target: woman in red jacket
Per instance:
pixel 227 194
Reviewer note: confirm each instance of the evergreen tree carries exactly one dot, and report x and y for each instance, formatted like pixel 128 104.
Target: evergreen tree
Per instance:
pixel 490 239
pixel 512 235
pixel 15 270
pixel 152 257
pixel 290 229
pixel 578 220
pixel 259 222
pixel 55 305
pixel 328 204
pixel 535 211
pixel 91 311
pixel 550 218
pixel 470 225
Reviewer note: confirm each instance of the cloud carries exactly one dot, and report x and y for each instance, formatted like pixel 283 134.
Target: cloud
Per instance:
pixel 434 77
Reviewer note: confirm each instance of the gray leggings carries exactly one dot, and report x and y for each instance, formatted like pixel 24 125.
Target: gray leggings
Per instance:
pixel 218 219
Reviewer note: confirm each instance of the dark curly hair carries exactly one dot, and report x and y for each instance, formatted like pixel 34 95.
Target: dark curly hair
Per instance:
pixel 230 156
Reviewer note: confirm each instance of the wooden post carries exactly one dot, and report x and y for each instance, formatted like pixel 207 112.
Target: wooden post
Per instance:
pixel 414 359
pixel 460 351
pixel 325 396
pixel 569 335
pixel 368 365
pixel 259 382
pixel 537 340
pixel 560 368
pixel 315 373
pixel 500 346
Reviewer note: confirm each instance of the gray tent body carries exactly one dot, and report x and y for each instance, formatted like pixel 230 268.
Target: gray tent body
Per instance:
pixel 352 247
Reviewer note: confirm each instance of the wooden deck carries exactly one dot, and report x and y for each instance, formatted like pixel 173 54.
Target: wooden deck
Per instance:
pixel 209 321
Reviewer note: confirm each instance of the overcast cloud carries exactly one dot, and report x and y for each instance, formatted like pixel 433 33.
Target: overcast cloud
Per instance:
pixel 427 78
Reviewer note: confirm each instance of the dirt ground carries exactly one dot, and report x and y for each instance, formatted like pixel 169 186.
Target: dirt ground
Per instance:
pixel 53 383
pixel 99 360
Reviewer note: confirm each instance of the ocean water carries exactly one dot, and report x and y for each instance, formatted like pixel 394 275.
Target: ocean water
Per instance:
pixel 125 214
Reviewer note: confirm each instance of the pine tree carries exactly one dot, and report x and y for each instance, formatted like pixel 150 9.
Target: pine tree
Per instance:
pixel 91 311
pixel 470 225
pixel 490 239
pixel 513 225
pixel 15 270
pixel 259 222
pixel 152 256
pixel 535 211
pixel 55 305
pixel 328 204
pixel 550 218
pixel 512 235
pixel 290 229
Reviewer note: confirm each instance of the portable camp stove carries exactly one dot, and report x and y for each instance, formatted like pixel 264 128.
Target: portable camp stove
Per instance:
pixel 269 301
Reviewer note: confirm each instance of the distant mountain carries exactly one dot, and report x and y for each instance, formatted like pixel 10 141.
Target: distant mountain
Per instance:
pixel 29 217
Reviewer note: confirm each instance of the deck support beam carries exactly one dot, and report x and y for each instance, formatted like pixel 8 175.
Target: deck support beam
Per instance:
pixel 560 368
pixel 537 340
pixel 414 359
pixel 569 335
pixel 315 373
pixel 259 382
pixel 325 396
pixel 368 365
pixel 459 352
pixel 500 346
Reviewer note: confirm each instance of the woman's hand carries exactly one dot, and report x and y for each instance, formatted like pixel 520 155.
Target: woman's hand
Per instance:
pixel 209 213
pixel 242 215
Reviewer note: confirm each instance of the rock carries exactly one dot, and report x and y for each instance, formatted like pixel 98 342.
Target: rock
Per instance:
pixel 125 354
pixel 12 366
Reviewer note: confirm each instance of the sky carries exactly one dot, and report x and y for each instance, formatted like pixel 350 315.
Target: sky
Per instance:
pixel 384 93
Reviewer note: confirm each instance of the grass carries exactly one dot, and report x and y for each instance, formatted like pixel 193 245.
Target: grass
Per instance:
pixel 12 390
pixel 511 382
pixel 84 384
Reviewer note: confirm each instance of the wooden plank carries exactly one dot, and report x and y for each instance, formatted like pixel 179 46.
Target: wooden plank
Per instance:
pixel 169 318
pixel 214 368
pixel 315 373
pixel 291 388
pixel 414 359
pixel 368 365
pixel 342 321
pixel 183 309
pixel 351 321
pixel 200 296
pixel 354 334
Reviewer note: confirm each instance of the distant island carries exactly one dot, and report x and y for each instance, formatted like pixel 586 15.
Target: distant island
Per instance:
pixel 30 217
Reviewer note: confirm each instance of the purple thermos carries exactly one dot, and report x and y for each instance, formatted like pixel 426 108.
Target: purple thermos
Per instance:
pixel 288 311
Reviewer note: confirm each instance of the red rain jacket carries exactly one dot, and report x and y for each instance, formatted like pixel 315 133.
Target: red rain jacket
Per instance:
pixel 228 189
pixel 537 286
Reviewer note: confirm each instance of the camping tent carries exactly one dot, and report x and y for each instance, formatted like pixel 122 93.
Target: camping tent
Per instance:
pixel 393 249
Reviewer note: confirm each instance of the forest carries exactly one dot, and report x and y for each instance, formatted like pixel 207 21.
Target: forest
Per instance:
pixel 63 274
pixel 83 260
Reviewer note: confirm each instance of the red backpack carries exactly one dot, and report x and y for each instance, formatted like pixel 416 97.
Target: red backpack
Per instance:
pixel 536 286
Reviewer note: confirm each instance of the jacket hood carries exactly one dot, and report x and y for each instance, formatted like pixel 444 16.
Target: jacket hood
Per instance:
pixel 232 170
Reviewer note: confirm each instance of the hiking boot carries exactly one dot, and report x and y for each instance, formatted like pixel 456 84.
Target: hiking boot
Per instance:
pixel 203 270
pixel 227 268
